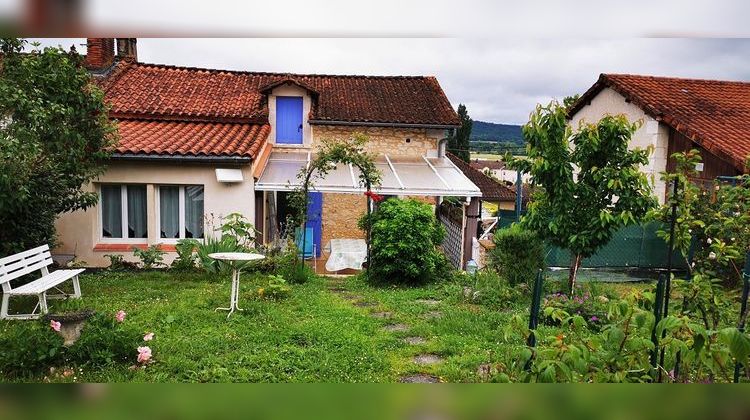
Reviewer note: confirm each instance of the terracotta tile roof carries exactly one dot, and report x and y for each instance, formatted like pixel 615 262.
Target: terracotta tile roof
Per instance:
pixel 169 92
pixel 492 190
pixel 713 113
pixel 151 137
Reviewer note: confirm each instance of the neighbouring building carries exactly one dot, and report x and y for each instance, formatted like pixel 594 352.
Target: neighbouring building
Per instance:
pixel 712 116
pixel 197 144
pixel 497 169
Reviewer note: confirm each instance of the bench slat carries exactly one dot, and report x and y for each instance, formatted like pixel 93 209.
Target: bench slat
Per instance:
pixel 15 257
pixel 26 270
pixel 45 283
pixel 11 267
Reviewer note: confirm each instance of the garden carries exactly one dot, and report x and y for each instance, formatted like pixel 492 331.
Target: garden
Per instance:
pixel 409 316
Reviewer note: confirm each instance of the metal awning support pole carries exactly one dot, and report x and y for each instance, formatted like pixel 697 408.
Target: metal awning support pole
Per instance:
pixel 519 194
pixel 743 310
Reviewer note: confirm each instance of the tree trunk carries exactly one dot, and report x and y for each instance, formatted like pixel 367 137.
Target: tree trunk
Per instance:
pixel 575 263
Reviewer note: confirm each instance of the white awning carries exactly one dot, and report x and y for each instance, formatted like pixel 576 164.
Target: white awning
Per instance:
pixel 428 176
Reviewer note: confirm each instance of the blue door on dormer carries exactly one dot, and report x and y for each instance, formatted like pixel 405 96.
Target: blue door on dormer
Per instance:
pixel 288 120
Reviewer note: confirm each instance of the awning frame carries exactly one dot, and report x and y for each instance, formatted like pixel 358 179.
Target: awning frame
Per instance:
pixel 357 188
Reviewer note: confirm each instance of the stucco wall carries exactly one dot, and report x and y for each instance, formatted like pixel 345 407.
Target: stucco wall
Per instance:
pixel 651 133
pixel 79 232
pixel 384 140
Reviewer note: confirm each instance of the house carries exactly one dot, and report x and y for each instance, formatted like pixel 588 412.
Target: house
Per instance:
pixel 712 116
pixel 493 191
pixel 197 144
pixel 497 169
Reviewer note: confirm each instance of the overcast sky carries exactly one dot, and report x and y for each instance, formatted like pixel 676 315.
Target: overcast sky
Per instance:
pixel 498 80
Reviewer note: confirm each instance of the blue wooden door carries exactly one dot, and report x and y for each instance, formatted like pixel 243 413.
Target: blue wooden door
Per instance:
pixel 289 120
pixel 314 218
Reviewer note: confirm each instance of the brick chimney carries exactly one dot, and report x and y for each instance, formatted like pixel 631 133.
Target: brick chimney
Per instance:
pixel 126 49
pixel 100 53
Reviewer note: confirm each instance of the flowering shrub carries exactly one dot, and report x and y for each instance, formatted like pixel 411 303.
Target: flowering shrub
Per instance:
pixel 32 348
pixel 558 306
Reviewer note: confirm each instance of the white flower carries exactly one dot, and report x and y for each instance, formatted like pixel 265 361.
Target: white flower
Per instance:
pixel 709 241
pixel 712 256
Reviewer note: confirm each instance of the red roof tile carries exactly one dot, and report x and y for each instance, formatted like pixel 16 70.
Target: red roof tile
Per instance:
pixel 713 113
pixel 149 137
pixel 491 189
pixel 168 92
pixel 481 164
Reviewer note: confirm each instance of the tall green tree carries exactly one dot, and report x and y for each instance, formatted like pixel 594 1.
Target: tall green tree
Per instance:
pixel 459 141
pixel 589 183
pixel 54 138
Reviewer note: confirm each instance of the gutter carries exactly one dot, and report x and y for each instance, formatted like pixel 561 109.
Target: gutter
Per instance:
pixel 235 160
pixel 381 124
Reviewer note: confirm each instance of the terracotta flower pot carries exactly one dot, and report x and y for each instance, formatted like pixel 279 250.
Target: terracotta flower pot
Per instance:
pixel 71 324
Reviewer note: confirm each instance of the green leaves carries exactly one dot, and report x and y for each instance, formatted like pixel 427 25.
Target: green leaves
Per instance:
pixel 55 138
pixel 738 342
pixel 581 213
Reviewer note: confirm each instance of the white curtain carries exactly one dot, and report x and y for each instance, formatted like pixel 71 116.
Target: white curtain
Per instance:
pixel 194 211
pixel 111 211
pixel 137 225
pixel 169 211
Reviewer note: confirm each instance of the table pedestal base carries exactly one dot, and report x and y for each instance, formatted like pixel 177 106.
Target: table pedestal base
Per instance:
pixel 234 296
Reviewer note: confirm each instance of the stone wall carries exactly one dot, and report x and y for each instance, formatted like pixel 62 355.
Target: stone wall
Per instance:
pixel 384 140
pixel 340 215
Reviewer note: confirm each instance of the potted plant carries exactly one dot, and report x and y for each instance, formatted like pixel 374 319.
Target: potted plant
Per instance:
pixel 69 324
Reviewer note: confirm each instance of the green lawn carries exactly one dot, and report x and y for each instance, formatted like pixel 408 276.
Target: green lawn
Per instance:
pixel 321 333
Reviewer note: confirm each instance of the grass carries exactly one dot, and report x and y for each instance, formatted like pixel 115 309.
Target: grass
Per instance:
pixel 315 335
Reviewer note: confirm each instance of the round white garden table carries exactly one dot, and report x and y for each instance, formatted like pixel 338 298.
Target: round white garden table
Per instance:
pixel 236 260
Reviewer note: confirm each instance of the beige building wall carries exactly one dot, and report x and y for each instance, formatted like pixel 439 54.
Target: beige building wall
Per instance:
pixel 652 133
pixel 79 232
pixel 340 215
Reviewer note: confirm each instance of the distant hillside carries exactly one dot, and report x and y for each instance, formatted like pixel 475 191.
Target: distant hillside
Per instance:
pixel 501 133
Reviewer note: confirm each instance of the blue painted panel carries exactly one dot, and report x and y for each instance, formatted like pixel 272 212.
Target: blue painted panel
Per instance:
pixel 314 217
pixel 289 120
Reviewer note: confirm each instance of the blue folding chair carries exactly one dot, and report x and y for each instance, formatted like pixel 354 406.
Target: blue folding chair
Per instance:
pixel 309 249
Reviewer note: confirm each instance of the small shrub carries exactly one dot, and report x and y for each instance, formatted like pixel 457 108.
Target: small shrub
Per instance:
pixel 150 257
pixel 212 245
pixel 117 262
pixel 277 288
pixel 487 288
pixel 589 306
pixel 236 226
pixel 185 260
pixel 287 265
pixel 518 255
pixel 404 237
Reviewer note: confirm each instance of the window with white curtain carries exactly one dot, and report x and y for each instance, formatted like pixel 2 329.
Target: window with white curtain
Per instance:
pixel 180 211
pixel 123 211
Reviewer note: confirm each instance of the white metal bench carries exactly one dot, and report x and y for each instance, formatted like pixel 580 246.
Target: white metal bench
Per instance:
pixel 18 265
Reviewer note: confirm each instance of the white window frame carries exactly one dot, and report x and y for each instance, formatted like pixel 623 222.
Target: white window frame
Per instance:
pixel 123 218
pixel 180 213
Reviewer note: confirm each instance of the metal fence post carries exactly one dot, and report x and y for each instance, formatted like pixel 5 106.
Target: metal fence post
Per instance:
pixel 743 310
pixel 536 297
pixel 658 306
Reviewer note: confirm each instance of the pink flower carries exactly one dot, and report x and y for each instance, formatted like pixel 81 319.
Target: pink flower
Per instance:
pixel 120 316
pixel 148 337
pixel 54 325
pixel 144 354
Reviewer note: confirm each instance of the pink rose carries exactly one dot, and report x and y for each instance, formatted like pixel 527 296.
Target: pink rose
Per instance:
pixel 144 354
pixel 54 325
pixel 148 337
pixel 120 316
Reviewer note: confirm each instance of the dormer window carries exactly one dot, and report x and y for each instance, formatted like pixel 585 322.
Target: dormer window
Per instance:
pixel 289 128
